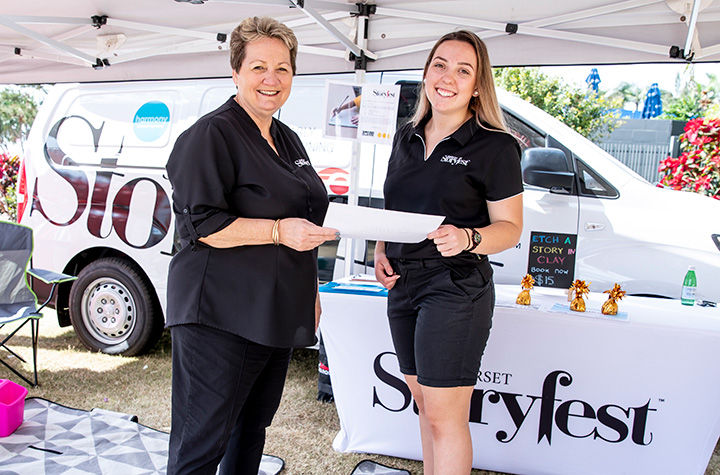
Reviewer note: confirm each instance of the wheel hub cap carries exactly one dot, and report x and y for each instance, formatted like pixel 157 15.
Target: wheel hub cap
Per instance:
pixel 110 311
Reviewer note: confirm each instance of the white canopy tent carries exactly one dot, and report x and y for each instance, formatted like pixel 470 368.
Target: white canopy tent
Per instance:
pixel 43 41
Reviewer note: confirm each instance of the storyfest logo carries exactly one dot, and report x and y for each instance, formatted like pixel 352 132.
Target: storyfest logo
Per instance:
pixel 545 412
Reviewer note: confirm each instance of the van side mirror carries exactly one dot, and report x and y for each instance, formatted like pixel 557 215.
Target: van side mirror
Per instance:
pixel 547 168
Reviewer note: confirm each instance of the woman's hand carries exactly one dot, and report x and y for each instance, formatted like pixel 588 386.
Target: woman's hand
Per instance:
pixel 449 240
pixel 302 235
pixel 384 272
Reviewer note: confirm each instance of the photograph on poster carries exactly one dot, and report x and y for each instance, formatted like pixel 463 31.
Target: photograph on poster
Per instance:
pixel 342 110
pixel 378 117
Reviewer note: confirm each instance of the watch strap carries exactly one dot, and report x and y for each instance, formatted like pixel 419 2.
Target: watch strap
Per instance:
pixel 470 241
pixel 475 240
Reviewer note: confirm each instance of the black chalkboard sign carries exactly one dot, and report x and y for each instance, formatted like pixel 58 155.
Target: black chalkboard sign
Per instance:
pixel 551 259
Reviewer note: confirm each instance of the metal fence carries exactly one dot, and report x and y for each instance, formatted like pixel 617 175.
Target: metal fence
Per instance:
pixel 643 158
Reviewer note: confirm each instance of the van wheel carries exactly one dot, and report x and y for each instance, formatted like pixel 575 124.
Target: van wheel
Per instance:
pixel 113 308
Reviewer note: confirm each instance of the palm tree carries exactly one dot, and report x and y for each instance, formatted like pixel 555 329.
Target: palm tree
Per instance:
pixel 626 92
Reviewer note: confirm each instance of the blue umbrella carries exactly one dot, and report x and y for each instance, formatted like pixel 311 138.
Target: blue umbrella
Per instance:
pixel 653 103
pixel 593 80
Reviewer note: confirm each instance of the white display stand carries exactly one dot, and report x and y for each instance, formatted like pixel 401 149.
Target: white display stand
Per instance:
pixel 558 393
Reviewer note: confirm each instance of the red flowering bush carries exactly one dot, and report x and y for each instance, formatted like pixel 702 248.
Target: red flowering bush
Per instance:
pixel 9 167
pixel 698 168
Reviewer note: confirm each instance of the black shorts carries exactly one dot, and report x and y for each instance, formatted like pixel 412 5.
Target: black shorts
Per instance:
pixel 440 313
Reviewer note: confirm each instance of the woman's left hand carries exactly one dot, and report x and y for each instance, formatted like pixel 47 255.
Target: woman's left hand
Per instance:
pixel 449 240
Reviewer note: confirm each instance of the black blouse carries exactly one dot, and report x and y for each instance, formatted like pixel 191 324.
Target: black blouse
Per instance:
pixel 222 168
pixel 467 169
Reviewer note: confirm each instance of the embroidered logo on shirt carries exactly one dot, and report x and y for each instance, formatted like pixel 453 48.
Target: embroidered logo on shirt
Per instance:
pixel 454 160
pixel 302 162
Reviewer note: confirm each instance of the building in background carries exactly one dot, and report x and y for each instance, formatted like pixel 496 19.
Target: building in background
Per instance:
pixel 641 144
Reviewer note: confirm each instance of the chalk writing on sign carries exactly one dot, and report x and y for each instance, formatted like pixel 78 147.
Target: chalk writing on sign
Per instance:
pixel 551 259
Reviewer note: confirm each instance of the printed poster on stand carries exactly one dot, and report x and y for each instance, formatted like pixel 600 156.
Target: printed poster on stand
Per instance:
pixel 364 112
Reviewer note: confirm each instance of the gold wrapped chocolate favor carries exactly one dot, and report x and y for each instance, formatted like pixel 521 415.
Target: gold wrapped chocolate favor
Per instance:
pixel 580 288
pixel 610 307
pixel 523 297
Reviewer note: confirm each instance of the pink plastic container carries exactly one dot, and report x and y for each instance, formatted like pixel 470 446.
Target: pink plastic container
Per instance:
pixel 12 406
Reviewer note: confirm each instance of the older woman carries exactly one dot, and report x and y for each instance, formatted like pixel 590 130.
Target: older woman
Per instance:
pixel 454 159
pixel 242 291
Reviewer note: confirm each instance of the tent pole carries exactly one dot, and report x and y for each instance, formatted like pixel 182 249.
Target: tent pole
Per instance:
pixel 89 60
pixel 691 29
pixel 352 246
pixel 337 34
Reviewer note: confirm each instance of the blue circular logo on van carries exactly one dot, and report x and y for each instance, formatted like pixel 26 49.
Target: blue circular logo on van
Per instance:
pixel 151 120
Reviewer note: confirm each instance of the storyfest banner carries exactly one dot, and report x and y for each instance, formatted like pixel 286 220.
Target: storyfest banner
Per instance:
pixel 556 394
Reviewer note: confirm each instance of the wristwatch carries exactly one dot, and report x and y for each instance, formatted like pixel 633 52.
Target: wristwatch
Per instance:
pixel 475 239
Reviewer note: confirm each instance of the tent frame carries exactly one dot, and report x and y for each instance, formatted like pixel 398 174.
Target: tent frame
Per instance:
pixel 323 14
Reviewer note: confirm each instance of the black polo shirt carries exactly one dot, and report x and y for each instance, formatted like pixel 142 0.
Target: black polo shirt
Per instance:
pixel 467 169
pixel 222 168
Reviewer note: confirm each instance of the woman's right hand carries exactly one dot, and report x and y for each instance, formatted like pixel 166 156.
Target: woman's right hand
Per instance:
pixel 302 235
pixel 384 272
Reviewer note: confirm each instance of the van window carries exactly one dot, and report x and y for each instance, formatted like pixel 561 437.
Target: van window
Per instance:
pixel 526 135
pixel 409 91
pixel 122 129
pixel 303 113
pixel 592 184
pixel 214 97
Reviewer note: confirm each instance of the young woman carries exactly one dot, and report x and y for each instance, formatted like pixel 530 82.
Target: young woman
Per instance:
pixel 454 159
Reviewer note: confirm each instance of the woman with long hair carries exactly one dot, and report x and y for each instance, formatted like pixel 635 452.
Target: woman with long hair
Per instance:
pixel 454 159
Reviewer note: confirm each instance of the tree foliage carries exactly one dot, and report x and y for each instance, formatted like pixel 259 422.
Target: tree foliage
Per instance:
pixel 17 112
pixel 584 111
pixel 9 167
pixel 626 92
pixel 18 109
pixel 692 100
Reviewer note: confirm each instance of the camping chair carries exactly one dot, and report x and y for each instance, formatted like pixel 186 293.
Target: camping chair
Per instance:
pixel 17 302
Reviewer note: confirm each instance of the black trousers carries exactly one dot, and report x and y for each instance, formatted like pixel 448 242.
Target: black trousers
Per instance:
pixel 225 392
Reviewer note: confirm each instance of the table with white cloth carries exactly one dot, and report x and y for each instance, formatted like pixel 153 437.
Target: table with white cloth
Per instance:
pixel 559 392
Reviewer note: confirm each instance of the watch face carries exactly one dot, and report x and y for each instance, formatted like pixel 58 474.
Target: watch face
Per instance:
pixel 476 237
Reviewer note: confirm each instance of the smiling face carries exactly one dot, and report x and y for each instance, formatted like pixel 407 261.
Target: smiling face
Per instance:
pixel 451 78
pixel 264 78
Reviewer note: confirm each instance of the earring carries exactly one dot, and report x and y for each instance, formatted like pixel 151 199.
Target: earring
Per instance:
pixel 475 93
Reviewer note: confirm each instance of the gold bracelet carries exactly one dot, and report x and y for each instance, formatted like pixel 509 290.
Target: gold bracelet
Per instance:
pixel 276 233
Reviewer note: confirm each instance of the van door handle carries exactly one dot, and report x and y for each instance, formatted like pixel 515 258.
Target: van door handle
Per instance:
pixel 594 226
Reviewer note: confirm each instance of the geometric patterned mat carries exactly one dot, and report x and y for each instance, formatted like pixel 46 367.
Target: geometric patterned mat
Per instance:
pixel 54 439
pixel 368 467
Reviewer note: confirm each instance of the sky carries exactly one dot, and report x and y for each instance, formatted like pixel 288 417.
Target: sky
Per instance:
pixel 642 75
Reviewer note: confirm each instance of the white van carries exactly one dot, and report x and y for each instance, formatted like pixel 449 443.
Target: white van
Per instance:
pixel 94 190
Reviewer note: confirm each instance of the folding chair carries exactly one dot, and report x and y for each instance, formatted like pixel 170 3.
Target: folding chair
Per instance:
pixel 18 303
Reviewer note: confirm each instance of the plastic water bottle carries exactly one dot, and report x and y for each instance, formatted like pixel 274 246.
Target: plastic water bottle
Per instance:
pixel 689 287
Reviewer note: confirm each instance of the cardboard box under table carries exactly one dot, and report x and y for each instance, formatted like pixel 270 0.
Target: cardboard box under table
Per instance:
pixel 559 392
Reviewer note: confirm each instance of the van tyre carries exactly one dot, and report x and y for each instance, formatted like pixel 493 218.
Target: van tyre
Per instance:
pixel 113 308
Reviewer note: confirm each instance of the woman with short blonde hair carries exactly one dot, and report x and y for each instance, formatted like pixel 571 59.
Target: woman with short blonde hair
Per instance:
pixel 243 289
pixel 255 28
